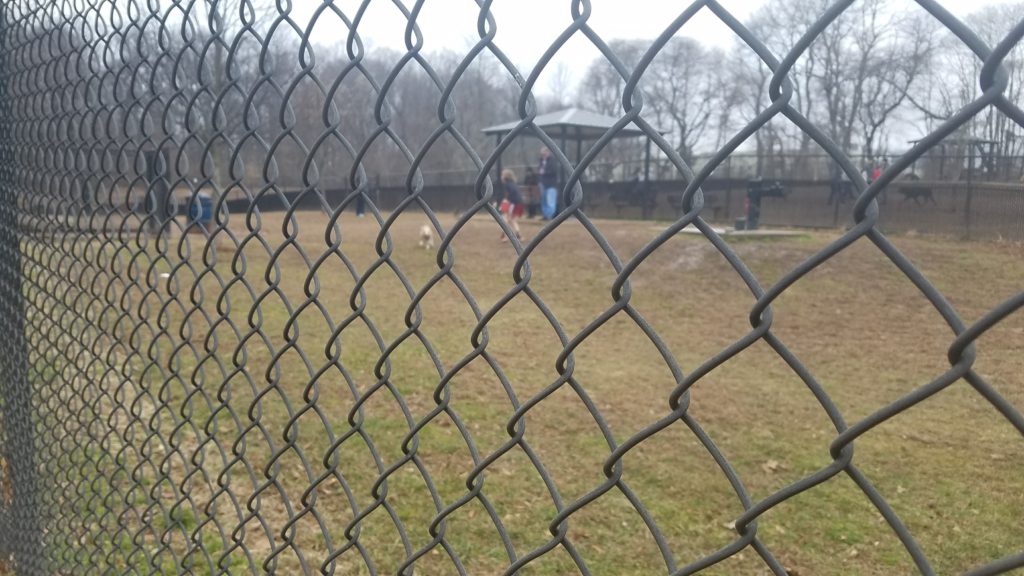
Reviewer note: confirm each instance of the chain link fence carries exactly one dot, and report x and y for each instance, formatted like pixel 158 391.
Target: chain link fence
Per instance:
pixel 179 387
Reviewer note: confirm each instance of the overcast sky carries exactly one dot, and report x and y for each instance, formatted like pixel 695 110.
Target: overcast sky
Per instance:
pixel 526 28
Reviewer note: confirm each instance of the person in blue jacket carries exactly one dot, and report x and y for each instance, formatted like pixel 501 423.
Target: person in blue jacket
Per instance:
pixel 547 175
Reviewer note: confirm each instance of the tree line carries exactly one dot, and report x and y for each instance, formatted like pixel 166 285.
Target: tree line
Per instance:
pixel 235 95
pixel 874 79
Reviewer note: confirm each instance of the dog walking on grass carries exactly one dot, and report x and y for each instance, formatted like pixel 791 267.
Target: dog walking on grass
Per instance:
pixel 426 237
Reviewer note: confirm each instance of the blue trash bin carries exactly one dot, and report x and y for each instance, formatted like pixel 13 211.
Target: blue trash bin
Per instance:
pixel 201 210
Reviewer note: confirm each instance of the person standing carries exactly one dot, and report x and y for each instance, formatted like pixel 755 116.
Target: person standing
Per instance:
pixel 532 193
pixel 884 196
pixel 512 202
pixel 360 206
pixel 547 174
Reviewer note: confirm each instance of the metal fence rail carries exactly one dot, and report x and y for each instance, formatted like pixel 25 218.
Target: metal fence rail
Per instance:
pixel 147 427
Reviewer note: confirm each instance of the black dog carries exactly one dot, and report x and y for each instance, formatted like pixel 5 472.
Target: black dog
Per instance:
pixel 918 195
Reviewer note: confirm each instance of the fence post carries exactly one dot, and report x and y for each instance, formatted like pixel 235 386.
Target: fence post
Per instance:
pixel 20 535
pixel 728 188
pixel 158 191
pixel 20 529
pixel 970 191
pixel 835 173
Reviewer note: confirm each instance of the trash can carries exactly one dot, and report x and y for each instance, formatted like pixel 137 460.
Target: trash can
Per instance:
pixel 201 210
pixel 741 224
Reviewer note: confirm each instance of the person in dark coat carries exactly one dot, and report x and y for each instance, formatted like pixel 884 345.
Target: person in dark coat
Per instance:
pixel 531 193
pixel 512 202
pixel 547 173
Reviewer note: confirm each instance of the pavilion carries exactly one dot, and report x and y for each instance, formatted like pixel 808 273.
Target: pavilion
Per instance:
pixel 576 125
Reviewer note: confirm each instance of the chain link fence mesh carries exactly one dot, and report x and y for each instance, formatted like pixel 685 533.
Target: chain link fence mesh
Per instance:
pixel 176 395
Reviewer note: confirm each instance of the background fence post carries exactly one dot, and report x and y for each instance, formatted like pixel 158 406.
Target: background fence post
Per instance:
pixel 19 526
pixel 158 191
pixel 728 188
pixel 970 191
pixel 836 176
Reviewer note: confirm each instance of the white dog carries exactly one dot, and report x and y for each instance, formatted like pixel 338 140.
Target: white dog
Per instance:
pixel 426 237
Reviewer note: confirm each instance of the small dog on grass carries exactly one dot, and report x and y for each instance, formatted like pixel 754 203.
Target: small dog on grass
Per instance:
pixel 426 237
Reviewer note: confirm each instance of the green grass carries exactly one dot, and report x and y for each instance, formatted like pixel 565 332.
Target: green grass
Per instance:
pixel 950 467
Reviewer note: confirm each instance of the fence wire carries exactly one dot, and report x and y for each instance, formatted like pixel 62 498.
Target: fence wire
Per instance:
pixel 151 423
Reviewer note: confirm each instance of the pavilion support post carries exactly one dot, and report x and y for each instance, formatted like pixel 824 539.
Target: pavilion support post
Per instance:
pixel 579 155
pixel 497 165
pixel 647 196
pixel 579 146
pixel 967 201
pixel 647 161
pixel 560 202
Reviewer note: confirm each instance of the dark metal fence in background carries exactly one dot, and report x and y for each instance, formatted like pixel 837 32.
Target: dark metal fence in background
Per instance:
pixel 937 196
pixel 960 209
pixel 121 457
pixel 974 211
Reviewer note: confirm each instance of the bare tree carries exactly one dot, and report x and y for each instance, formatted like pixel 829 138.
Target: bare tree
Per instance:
pixel 601 88
pixel 952 82
pixel 749 81
pixel 899 59
pixel 780 25
pixel 870 58
pixel 853 80
pixel 217 24
pixel 683 87
pixel 993 23
pixel 560 84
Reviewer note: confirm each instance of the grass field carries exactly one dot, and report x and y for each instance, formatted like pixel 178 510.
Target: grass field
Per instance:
pixel 952 467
